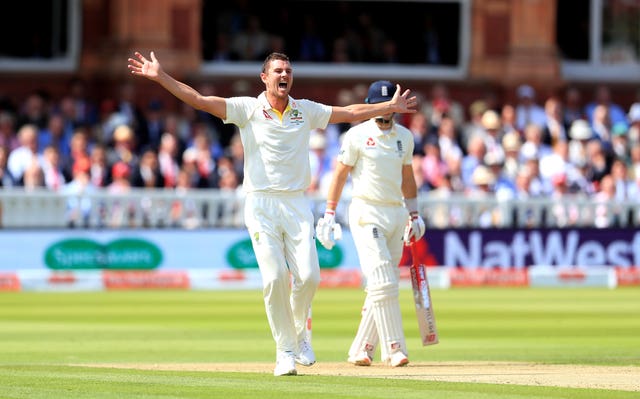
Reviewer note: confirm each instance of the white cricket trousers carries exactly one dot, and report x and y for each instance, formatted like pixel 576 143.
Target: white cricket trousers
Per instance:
pixel 281 227
pixel 377 233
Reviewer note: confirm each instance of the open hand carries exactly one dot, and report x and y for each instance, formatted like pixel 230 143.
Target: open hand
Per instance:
pixel 143 67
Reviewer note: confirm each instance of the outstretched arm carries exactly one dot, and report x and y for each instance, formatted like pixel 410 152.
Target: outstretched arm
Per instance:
pixel 152 70
pixel 402 104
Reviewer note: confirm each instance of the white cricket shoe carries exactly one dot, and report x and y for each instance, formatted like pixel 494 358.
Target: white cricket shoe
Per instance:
pixel 285 364
pixel 398 359
pixel 306 356
pixel 361 359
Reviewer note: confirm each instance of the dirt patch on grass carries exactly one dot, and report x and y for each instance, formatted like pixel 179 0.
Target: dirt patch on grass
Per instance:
pixel 571 376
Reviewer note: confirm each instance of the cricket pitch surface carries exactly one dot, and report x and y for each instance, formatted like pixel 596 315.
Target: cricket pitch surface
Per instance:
pixel 624 378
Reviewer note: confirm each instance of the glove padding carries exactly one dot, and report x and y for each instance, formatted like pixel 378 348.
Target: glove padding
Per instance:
pixel 328 231
pixel 415 228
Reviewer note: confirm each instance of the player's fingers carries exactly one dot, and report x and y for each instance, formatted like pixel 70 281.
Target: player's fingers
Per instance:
pixel 153 57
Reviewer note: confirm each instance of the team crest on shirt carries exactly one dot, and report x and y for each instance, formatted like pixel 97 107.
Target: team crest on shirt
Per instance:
pixel 370 143
pixel 400 150
pixel 296 117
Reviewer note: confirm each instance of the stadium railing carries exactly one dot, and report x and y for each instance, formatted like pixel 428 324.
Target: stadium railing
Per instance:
pixel 203 208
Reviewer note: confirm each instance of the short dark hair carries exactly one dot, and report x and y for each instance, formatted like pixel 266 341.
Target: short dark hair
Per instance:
pixel 274 56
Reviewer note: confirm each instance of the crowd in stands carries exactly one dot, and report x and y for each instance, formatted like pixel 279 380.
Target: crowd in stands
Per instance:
pixel 575 145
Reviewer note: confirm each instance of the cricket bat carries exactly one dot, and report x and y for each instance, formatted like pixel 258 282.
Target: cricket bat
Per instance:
pixel 422 299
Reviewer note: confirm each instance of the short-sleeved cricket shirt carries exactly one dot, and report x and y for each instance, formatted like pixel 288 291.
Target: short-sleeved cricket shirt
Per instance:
pixel 276 150
pixel 377 159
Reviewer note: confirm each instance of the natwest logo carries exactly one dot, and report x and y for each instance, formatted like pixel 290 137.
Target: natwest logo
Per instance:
pixel 540 247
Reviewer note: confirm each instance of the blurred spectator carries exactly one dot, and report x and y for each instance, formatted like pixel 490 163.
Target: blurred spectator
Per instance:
pixel 474 124
pixel 626 187
pixel 180 129
pixel 57 133
pixel 528 111
pixel 200 154
pixel 389 51
pixel 476 151
pixel 147 173
pixel 602 96
pixel 110 119
pixel 223 50
pixel 131 113
pixel 34 110
pixel 168 159
pixel 78 149
pixel 33 178
pixel 538 187
pixel 487 215
pixel 601 125
pixel 511 146
pixel 8 136
pixel 100 169
pixel 635 164
pixel 492 133
pixel 184 212
pixel 6 180
pixel 441 104
pixel 26 154
pixel 554 129
pixel 565 211
pixel 227 177
pixel 634 124
pixel 573 108
pixel 121 212
pixel 85 110
pixel 607 212
pixel 504 186
pixel 620 141
pixel 78 190
pixel 508 118
pixel 371 37
pixel 54 178
pixel 533 147
pixel 597 163
pixel 252 43
pixel 445 214
pixel 154 116
pixel 433 166
pixel 421 181
pixel 419 127
pixel 580 133
pixel 312 47
pixel 450 149
pixel 236 152
pixel 123 149
pixel 556 161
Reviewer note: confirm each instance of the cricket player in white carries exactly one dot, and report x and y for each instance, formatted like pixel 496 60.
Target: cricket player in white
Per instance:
pixel 275 131
pixel 383 215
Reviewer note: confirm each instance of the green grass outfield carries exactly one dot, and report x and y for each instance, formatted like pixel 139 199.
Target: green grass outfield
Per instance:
pixel 50 343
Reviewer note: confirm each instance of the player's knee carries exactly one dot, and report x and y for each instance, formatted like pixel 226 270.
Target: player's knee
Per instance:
pixel 311 278
pixel 382 282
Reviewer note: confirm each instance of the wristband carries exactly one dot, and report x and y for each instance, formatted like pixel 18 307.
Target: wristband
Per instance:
pixel 411 204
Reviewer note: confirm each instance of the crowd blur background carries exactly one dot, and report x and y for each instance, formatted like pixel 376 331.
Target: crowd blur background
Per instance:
pixel 578 142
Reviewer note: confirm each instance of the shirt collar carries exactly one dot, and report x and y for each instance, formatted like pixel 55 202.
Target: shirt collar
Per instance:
pixel 378 132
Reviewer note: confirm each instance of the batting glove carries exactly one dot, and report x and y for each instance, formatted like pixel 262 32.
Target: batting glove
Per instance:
pixel 415 228
pixel 327 230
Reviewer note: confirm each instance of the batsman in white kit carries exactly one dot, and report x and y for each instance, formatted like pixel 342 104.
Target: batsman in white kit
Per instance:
pixel 383 216
pixel 275 131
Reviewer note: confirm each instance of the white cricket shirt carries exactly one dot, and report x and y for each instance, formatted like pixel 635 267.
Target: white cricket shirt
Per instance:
pixel 377 159
pixel 276 150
